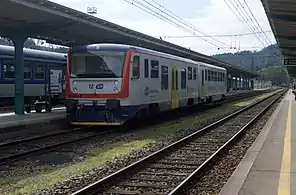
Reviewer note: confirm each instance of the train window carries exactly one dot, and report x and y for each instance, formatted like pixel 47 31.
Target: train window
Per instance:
pixel 136 67
pixel 164 77
pixel 27 71
pixel 202 78
pixel 194 73
pixel 146 64
pixel 223 77
pixel 189 73
pixel 154 69
pixel 183 78
pixel 215 76
pixel 212 76
pixel 209 75
pixel 177 79
pixel 206 75
pixel 173 79
pixel 9 70
pixel 39 72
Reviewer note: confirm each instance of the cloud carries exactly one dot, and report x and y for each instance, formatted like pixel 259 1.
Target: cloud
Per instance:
pixel 209 16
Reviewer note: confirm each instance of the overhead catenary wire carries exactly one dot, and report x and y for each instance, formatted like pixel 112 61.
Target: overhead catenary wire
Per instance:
pixel 161 16
pixel 181 20
pixel 239 17
pixel 250 20
pixel 138 4
pixel 270 42
pixel 255 23
pixel 215 35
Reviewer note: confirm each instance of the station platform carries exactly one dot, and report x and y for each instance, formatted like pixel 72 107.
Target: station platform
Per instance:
pixel 269 167
pixel 12 120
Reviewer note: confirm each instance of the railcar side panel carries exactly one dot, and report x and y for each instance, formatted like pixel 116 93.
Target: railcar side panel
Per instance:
pixel 151 80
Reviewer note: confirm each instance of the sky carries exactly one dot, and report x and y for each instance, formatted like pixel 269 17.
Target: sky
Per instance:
pixel 206 17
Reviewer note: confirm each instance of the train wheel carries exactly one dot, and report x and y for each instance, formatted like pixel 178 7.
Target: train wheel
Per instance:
pixel 48 108
pixel 38 108
pixel 141 114
pixel 28 109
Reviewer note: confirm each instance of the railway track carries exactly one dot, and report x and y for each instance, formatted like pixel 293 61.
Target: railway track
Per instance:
pixel 37 144
pixel 22 147
pixel 170 170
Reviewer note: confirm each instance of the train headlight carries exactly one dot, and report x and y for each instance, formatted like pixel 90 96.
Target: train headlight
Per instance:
pixel 116 82
pixel 74 82
pixel 115 89
pixel 75 89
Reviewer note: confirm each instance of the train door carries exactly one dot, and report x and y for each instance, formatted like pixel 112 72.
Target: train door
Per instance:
pixel 202 84
pixel 175 88
pixel 135 84
pixel 206 83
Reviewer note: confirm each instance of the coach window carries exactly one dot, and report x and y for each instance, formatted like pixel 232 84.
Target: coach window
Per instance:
pixel 209 75
pixel 189 73
pixel 194 73
pixel 223 77
pixel 216 77
pixel 146 64
pixel 183 78
pixel 206 75
pixel 39 72
pixel 136 67
pixel 154 69
pixel 27 71
pixel 9 70
pixel 164 77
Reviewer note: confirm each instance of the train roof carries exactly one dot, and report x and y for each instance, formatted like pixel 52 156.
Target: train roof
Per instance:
pixel 33 53
pixel 124 48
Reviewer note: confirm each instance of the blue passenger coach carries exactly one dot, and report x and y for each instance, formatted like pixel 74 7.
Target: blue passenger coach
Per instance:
pixel 36 63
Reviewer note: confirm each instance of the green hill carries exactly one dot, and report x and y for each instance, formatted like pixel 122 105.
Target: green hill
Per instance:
pixel 267 61
pixel 269 56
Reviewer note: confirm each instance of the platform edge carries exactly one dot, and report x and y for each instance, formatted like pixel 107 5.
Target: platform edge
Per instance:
pixel 238 177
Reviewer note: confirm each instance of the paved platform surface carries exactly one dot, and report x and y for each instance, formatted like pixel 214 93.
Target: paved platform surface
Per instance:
pixel 12 120
pixel 269 167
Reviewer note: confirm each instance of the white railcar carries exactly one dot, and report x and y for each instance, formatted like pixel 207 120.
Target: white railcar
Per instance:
pixel 110 83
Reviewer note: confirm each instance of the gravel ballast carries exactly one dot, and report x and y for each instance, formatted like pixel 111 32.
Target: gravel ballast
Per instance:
pixel 74 154
pixel 213 181
pixel 76 183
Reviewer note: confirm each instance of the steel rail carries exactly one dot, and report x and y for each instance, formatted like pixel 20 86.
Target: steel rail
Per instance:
pixel 55 145
pixel 180 188
pixel 49 147
pixel 45 135
pixel 113 178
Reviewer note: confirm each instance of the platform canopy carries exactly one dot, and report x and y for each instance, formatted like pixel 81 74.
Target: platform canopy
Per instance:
pixel 61 25
pixel 282 18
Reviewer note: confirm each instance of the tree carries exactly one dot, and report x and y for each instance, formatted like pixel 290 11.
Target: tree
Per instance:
pixel 31 44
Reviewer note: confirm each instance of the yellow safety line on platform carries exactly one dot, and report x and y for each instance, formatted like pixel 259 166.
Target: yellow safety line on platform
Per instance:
pixel 285 181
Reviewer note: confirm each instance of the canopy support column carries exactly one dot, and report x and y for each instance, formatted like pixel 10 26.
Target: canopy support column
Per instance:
pixel 18 42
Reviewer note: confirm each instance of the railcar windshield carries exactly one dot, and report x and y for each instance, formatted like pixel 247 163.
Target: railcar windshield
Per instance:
pixel 97 64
